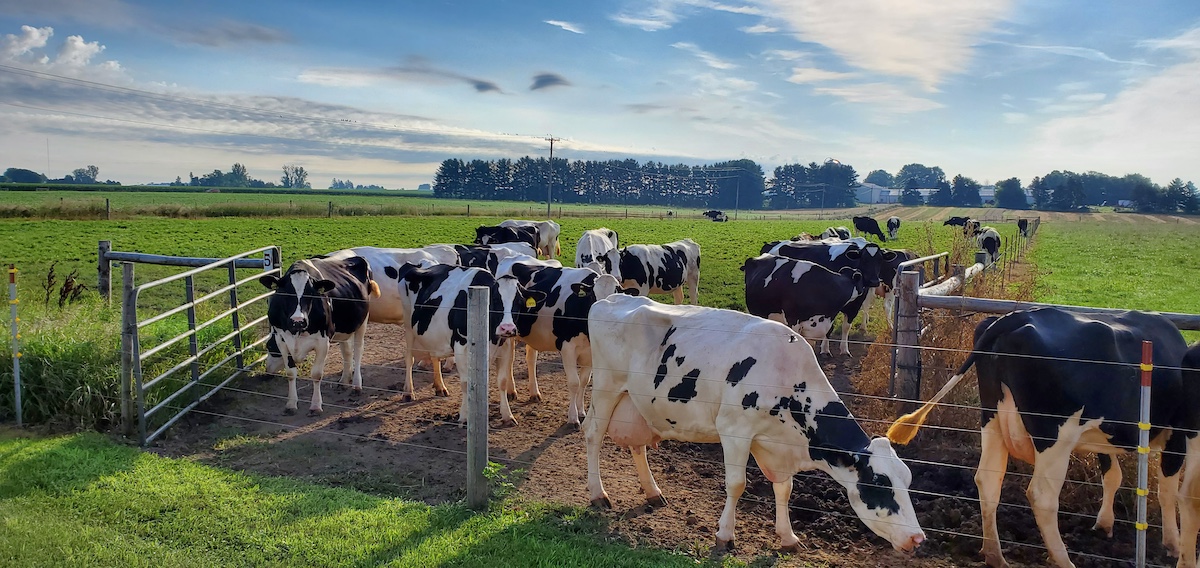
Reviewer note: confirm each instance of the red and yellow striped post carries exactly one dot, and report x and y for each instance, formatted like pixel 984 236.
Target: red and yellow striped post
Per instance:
pixel 1143 450
pixel 16 340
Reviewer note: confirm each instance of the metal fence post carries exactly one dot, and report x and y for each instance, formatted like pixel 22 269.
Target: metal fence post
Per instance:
pixel 908 338
pixel 236 319
pixel 477 395
pixel 128 336
pixel 16 341
pixel 104 271
pixel 189 285
pixel 1143 450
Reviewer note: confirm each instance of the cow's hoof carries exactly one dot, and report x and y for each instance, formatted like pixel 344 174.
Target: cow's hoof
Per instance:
pixel 657 501
pixel 511 396
pixel 406 397
pixel 724 545
pixel 441 392
pixel 535 397
pixel 1172 549
pixel 1107 530
pixel 508 422
pixel 355 392
pixel 602 502
pixel 314 412
pixel 793 548
pixel 289 411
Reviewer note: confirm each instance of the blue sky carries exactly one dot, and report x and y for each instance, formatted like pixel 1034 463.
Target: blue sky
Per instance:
pixel 383 92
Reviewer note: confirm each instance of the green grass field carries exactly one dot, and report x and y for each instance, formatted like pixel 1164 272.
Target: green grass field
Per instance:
pixel 82 500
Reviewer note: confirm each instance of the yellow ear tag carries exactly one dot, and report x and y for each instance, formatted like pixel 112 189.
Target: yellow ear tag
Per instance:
pixel 581 293
pixel 530 302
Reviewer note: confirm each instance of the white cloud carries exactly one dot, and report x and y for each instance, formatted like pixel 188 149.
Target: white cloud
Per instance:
pixel 708 58
pixel 925 40
pixel 1075 51
pixel 1086 97
pixel 786 54
pixel 1073 86
pixel 77 53
pixel 31 38
pixel 1187 41
pixel 1015 117
pixel 882 97
pixel 568 26
pixel 814 75
pixel 759 29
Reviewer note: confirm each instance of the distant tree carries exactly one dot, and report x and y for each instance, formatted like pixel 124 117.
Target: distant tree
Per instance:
pixel 1192 203
pixel 1146 197
pixel 964 192
pixel 943 197
pixel 926 177
pixel 295 177
pixel 19 175
pixel 880 177
pixel 178 181
pixel 86 175
pixel 910 195
pixel 1009 194
pixel 237 176
pixel 1177 196
pixel 1041 193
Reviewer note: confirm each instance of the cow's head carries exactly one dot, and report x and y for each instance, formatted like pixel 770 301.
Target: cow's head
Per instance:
pixel 879 496
pixel 512 305
pixel 602 287
pixel 296 293
pixel 486 235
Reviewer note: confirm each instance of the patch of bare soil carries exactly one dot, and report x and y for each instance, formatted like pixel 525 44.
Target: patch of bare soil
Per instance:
pixel 376 443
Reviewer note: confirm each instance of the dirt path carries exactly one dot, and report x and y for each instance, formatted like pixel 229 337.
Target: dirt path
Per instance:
pixel 381 445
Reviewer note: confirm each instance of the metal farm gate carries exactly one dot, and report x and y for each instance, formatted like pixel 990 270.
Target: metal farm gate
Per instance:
pixel 179 384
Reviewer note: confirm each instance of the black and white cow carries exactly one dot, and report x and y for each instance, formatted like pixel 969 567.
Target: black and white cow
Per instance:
pixel 804 295
pixel 485 235
pixel 956 221
pixel 857 253
pixel 868 226
pixel 547 231
pixel 318 301
pixel 893 225
pixel 716 215
pixel 487 257
pixel 970 228
pixel 1038 374
pixel 661 269
pixel 836 233
pixel 559 324
pixel 1023 226
pixel 988 239
pixel 706 375
pixel 889 278
pixel 435 306
pixel 599 246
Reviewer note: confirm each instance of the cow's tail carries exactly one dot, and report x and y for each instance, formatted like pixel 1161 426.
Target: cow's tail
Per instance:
pixel 905 428
pixel 373 288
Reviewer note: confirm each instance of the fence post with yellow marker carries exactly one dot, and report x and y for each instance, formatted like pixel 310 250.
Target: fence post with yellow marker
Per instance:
pixel 16 340
pixel 1143 452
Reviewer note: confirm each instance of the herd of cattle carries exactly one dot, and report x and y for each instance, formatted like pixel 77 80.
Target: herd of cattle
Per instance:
pixel 750 381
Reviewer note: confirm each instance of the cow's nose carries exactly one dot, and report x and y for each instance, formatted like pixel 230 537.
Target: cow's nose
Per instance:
pixel 914 542
pixel 506 330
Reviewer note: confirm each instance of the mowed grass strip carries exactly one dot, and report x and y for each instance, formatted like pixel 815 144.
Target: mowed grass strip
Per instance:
pixel 82 500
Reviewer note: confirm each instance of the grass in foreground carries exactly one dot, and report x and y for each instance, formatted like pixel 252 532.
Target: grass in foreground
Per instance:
pixel 82 500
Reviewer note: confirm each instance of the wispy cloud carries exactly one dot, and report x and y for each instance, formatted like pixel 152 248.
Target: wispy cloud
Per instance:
pixel 548 80
pixel 815 75
pixel 1187 41
pixel 708 58
pixel 1015 117
pixel 416 70
pixel 1086 97
pixel 1074 51
pixel 229 33
pixel 882 97
pixel 759 29
pixel 573 28
pixel 657 15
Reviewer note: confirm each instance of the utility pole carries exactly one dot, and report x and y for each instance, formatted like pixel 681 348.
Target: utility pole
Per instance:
pixel 550 177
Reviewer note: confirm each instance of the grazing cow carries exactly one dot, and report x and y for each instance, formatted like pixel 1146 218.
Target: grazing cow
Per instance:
pixel 805 237
pixel 868 226
pixel 599 246
pixel 1039 372
pixel 318 301
pixel 707 375
pixel 559 324
pixel 988 239
pixel 1023 226
pixel 836 233
pixel 804 295
pixel 485 235
pixel 435 303
pixel 716 215
pixel 893 225
pixel 655 269
pixel 956 221
pixel 971 228
pixel 547 232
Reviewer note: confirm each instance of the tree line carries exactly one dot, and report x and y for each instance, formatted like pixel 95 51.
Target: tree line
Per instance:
pixel 294 177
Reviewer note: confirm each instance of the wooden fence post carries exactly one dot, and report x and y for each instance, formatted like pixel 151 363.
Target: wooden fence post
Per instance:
pixel 329 214
pixel 107 210
pixel 128 336
pixel 477 396
pixel 104 271
pixel 908 339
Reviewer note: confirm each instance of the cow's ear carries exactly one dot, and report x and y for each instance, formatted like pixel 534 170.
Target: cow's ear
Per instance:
pixel 534 299
pixel 630 291
pixel 271 282
pixel 581 290
pixel 889 255
pixel 324 286
pixel 854 254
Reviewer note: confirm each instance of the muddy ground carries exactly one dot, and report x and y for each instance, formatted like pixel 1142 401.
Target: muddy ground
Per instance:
pixel 378 444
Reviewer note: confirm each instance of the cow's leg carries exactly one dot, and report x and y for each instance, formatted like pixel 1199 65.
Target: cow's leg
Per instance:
pixel 847 325
pixel 494 352
pixel 570 360
pixel 358 343
pixel 783 521
pixel 409 337
pixel 865 311
pixel 1189 505
pixel 1170 465
pixel 603 405
pixel 535 394
pixel 318 371
pixel 504 372
pixel 650 489
pixel 989 477
pixel 292 399
pixel 677 293
pixel 347 363
pixel 737 453
pixel 1111 471
pixel 694 289
pixel 1049 473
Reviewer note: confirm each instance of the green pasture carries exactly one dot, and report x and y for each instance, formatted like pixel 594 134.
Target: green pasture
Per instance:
pixel 82 500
